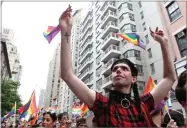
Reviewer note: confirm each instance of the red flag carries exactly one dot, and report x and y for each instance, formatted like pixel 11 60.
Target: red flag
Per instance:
pixel 21 109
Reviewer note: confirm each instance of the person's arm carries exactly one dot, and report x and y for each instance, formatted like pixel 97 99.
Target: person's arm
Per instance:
pixel 169 76
pixel 79 88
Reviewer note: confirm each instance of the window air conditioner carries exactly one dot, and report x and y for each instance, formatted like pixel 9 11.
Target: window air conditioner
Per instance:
pixel 180 34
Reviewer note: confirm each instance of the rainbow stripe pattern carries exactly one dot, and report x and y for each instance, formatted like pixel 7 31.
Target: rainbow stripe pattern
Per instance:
pixel 133 38
pixel 84 110
pixel 12 112
pixel 77 11
pixel 30 107
pixel 52 31
pixel 150 85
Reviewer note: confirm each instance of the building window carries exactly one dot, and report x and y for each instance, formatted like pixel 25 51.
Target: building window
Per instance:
pixel 128 27
pixel 124 42
pixel 147 38
pixel 149 53
pixel 98 71
pixel 137 54
pixel 133 28
pixel 182 42
pixel 152 68
pixel 142 15
pixel 141 86
pixel 119 9
pixel 144 27
pixel 99 83
pixel 140 4
pixel 173 11
pixel 5 31
pixel 121 18
pixel 131 16
pixel 140 69
pixel 129 6
pixel 98 60
pixel 132 53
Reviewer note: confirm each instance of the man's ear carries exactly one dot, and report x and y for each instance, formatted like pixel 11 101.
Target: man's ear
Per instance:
pixel 134 79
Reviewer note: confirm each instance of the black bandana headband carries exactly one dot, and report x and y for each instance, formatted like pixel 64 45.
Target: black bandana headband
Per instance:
pixel 134 70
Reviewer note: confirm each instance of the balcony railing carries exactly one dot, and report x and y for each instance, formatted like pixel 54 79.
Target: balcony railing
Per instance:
pixel 111 47
pixel 87 42
pixel 89 33
pixel 85 62
pixel 109 3
pixel 86 29
pixel 86 51
pixel 110 23
pixel 107 79
pixel 110 35
pixel 109 13
pixel 87 81
pixel 110 62
pixel 86 71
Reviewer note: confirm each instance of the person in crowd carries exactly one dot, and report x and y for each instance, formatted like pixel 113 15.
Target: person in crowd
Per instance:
pixel 176 116
pixel 81 123
pixel 49 119
pixel 63 119
pixel 181 92
pixel 181 89
pixel 120 109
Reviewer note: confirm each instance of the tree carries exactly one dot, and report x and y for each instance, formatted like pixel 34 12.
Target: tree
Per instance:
pixel 9 95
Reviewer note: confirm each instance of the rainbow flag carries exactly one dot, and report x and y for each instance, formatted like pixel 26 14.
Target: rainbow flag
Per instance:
pixel 33 108
pixel 77 11
pixel 84 110
pixel 150 85
pixel 76 110
pixel 30 107
pixel 52 31
pixel 133 38
pixel 25 107
pixel 12 112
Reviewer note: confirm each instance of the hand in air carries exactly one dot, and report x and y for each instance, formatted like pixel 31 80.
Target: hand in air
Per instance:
pixel 158 36
pixel 66 20
pixel 172 124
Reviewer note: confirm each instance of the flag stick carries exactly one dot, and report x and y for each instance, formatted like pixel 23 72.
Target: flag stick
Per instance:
pixel 14 123
pixel 167 111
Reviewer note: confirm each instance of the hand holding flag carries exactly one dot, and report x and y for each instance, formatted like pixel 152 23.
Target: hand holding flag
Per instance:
pixel 65 24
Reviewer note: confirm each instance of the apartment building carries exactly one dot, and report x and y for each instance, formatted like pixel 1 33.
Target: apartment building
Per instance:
pixel 57 92
pixel 173 14
pixel 13 55
pixel 75 39
pixel 41 98
pixel 5 66
pixel 100 47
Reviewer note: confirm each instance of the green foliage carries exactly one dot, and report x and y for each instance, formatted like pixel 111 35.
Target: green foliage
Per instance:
pixel 9 95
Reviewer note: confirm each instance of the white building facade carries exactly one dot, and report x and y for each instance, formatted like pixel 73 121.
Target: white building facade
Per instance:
pixel 100 47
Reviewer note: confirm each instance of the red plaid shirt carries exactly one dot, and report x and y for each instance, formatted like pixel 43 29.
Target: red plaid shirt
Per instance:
pixel 119 116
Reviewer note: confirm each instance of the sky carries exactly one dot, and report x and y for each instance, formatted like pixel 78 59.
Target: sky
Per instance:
pixel 29 20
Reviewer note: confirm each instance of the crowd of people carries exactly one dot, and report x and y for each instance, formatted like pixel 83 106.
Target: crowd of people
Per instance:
pixel 121 108
pixel 48 120
pixel 160 118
